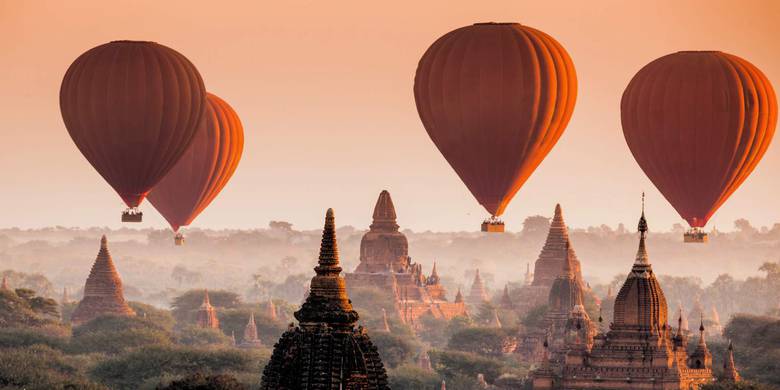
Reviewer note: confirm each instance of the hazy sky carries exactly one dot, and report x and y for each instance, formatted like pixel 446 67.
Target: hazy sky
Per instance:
pixel 324 90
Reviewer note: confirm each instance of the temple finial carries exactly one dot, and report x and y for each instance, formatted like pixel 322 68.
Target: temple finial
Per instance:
pixel 642 220
pixel 103 243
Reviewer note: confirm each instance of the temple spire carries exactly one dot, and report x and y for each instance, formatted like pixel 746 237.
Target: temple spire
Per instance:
pixel 385 324
pixel 642 258
pixel 459 296
pixel 384 213
pixel 729 368
pixel 327 302
pixel 4 285
pixel 206 317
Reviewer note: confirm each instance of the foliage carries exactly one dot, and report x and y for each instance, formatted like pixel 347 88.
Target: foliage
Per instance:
pixel 393 349
pixel 369 302
pixel 409 377
pixel 131 369
pixel 35 282
pixel 452 364
pixel 114 334
pixel 197 336
pixel 756 347
pixel 490 342
pixel 26 337
pixel 744 385
pixel 235 320
pixel 200 381
pixel 534 319
pixel 22 308
pixel 160 317
pixel 40 367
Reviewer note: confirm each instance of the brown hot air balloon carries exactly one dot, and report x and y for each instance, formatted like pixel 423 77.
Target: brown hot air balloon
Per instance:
pixel 495 98
pixel 203 170
pixel 132 108
pixel 698 123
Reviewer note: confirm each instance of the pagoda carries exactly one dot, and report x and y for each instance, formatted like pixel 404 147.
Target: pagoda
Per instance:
pixel 640 351
pixel 556 251
pixel 730 373
pixel 4 285
pixel 325 350
pixel 478 293
pixel 250 334
pixel 103 294
pixel 385 265
pixel 206 316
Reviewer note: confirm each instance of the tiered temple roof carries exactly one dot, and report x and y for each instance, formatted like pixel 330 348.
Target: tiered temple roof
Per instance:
pixel 326 350
pixel 207 314
pixel 103 294
pixel 730 373
pixel 385 265
pixel 557 249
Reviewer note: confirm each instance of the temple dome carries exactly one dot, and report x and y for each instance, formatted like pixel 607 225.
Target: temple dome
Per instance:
pixel 640 304
pixel 383 248
pixel 565 292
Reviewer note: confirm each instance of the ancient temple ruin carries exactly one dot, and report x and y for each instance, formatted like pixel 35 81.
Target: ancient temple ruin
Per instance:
pixel 206 316
pixel 103 294
pixel 326 350
pixel 250 334
pixel 640 350
pixel 385 265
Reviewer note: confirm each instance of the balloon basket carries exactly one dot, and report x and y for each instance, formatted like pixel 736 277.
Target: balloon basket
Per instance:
pixel 178 240
pixel 493 225
pixel 132 215
pixel 695 236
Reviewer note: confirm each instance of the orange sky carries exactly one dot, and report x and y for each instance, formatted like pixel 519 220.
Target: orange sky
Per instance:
pixel 324 90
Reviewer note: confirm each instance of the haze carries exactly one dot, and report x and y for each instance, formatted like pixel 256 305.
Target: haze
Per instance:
pixel 324 90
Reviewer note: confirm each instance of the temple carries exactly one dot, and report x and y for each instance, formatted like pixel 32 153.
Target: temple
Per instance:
pixel 325 350
pixel 250 334
pixel 103 294
pixel 478 293
pixel 4 284
pixel 640 350
pixel 548 267
pixel 385 264
pixel 207 315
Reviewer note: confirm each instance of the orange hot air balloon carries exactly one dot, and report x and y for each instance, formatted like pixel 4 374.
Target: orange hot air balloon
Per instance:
pixel 132 108
pixel 203 170
pixel 495 98
pixel 698 123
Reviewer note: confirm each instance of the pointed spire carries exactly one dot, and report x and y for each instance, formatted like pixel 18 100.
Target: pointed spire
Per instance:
pixel 434 273
pixel 233 337
pixel 384 213
pixel 715 316
pixel 250 331
pixel 65 297
pixel 206 317
pixel 729 368
pixel 609 292
pixel 270 310
pixel 206 300
pixel 443 385
pixel 458 296
pixel 327 302
pixel 642 258
pixel 528 276
pixel 385 324
pixel 478 293
pixel 506 300
pixel 4 285
pixel 702 341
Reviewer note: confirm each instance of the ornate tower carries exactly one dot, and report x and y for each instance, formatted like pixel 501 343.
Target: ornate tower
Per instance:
pixel 207 315
pixel 730 373
pixel 325 351
pixel 250 334
pixel 701 356
pixel 383 248
pixel 478 294
pixel 270 310
pixel 103 292
pixel 557 249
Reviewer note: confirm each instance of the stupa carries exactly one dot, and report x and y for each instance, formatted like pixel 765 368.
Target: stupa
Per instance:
pixel 325 350
pixel 478 293
pixel 250 334
pixel 207 314
pixel 4 284
pixel 385 265
pixel 103 294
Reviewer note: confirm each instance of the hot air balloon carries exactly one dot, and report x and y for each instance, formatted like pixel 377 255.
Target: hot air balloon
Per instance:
pixel 203 170
pixel 495 98
pixel 132 108
pixel 698 123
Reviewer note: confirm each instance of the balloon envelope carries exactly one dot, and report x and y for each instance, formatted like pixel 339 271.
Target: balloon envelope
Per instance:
pixel 132 109
pixel 698 123
pixel 495 98
pixel 205 167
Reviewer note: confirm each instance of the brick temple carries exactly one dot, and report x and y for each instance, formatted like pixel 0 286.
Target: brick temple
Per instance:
pixel 385 264
pixel 103 294
pixel 206 317
pixel 326 350
pixel 640 351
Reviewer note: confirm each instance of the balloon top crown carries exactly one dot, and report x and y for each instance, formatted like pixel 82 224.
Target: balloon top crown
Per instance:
pixel 132 41
pixel 698 51
pixel 496 24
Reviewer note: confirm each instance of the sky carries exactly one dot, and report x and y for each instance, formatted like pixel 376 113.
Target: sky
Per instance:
pixel 324 91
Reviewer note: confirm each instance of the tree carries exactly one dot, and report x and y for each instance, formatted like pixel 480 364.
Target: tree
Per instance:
pixel 200 337
pixel 115 334
pixel 451 364
pixel 489 342
pixel 535 317
pixel 394 350
pixel 185 306
pixel 200 381
pixel 536 226
pixel 160 317
pixel 40 367
pixel 22 308
pixel 409 377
